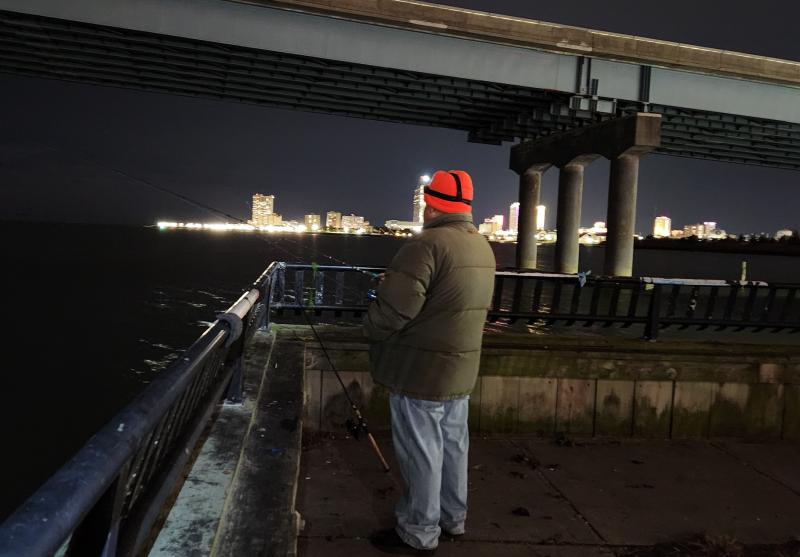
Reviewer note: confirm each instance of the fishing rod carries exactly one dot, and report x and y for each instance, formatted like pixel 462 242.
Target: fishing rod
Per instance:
pixel 210 208
pixel 357 427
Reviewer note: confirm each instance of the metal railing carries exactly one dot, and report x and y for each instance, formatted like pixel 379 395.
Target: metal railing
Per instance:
pixel 549 298
pixel 107 498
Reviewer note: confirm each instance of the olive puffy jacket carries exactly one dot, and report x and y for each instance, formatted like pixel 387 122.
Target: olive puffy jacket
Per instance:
pixel 426 324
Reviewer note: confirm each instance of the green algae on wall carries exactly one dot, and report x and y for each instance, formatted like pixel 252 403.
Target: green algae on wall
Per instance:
pixel 575 406
pixel 537 405
pixel 614 408
pixel 691 409
pixel 652 412
pixel 791 414
pixel 747 410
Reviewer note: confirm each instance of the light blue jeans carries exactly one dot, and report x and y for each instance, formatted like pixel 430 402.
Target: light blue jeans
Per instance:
pixel 431 441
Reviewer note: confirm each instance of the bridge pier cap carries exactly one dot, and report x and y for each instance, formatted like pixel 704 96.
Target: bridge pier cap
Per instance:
pixel 636 134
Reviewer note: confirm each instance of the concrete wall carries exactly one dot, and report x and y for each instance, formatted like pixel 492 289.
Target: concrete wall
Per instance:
pixel 544 385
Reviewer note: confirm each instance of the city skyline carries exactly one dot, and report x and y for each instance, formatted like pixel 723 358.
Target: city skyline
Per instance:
pixel 266 219
pixel 263 214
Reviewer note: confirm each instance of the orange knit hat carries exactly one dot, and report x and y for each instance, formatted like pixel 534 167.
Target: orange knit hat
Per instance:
pixel 450 192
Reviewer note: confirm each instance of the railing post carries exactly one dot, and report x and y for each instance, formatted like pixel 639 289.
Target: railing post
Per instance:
pixel 653 314
pixel 281 286
pixel 98 532
pixel 264 305
pixel 235 391
pixel 338 297
pixel 299 286
pixel 239 329
pixel 234 360
pixel 319 287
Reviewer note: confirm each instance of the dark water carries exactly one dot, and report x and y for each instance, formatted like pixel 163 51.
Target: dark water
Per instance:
pixel 93 313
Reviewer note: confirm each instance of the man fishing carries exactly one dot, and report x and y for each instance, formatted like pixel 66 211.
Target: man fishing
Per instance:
pixel 425 329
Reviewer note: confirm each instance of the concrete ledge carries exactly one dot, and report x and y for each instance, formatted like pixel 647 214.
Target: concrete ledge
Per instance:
pixel 191 526
pixel 588 386
pixel 259 516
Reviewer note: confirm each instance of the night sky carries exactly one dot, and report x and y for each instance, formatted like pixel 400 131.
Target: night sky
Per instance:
pixel 59 142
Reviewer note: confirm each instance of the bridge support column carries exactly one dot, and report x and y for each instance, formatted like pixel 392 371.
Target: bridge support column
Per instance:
pixel 530 185
pixel 568 219
pixel 622 141
pixel 621 219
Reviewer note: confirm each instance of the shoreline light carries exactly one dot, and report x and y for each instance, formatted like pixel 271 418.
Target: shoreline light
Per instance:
pixel 217 226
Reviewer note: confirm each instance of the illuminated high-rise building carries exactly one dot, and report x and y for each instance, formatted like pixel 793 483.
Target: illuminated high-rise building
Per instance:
pixel 488 226
pixel 418 205
pixel 263 206
pixel 662 227
pixel 353 222
pixel 312 222
pixel 540 212
pixel 498 220
pixel 272 219
pixel 705 231
pixel 513 217
pixel 333 220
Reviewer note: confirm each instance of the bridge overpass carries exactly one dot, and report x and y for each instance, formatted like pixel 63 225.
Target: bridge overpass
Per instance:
pixel 499 78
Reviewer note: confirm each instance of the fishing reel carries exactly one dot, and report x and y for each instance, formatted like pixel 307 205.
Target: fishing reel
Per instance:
pixel 356 428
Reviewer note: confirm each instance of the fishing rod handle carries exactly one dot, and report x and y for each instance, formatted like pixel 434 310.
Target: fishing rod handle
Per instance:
pixel 378 452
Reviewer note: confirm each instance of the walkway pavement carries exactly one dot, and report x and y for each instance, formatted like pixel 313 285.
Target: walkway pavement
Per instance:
pixel 593 498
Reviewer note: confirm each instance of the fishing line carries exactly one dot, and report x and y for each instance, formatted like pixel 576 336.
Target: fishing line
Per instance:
pixel 356 428
pixel 211 209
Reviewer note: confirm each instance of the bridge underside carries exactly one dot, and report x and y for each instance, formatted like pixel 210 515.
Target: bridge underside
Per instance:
pixel 491 113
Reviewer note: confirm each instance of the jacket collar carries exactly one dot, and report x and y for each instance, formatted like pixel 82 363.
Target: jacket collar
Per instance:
pixel 447 218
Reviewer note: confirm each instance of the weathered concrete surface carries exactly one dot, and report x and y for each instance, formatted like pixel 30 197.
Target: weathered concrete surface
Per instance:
pixel 259 517
pixel 652 492
pixel 193 520
pixel 585 499
pixel 589 385
pixel 344 496
pixel 778 461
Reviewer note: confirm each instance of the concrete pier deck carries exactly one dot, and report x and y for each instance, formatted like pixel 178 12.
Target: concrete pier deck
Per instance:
pixel 581 446
pixel 536 497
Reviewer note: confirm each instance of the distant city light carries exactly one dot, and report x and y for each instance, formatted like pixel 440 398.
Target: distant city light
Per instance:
pixel 218 226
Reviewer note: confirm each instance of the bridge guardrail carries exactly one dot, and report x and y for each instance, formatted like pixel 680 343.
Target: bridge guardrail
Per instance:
pixel 549 298
pixel 105 500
